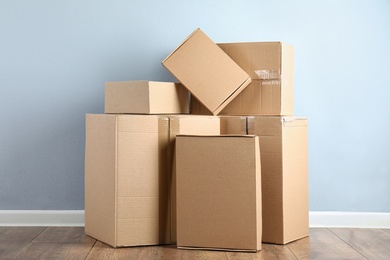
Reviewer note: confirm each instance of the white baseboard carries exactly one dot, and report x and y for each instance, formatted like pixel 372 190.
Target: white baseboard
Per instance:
pixel 340 219
pixel 75 218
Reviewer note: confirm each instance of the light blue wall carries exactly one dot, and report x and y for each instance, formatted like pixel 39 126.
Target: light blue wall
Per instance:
pixel 56 55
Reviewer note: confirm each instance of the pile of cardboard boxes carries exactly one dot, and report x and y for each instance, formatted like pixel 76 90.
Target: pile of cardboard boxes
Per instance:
pixel 217 161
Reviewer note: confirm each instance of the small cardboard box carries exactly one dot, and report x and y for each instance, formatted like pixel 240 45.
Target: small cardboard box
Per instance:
pixel 271 68
pixel 207 71
pixel 145 97
pixel 188 125
pixel 126 179
pixel 218 192
pixel 284 169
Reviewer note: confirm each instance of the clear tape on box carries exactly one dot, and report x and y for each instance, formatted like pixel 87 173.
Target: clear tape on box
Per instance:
pixel 268 77
pixel 268 74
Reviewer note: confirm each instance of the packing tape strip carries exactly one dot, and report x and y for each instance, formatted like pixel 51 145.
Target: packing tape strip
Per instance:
pixel 268 74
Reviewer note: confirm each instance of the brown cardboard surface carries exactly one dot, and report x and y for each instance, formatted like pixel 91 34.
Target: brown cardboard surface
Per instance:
pixel 185 124
pixel 271 68
pixel 218 192
pixel 284 169
pixel 206 71
pixel 145 97
pixel 233 125
pixel 284 155
pixel 126 179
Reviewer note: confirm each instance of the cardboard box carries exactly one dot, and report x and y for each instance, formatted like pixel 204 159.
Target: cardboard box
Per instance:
pixel 146 97
pixel 271 68
pixel 218 192
pixel 126 179
pixel 207 71
pixel 189 125
pixel 284 169
pixel 130 180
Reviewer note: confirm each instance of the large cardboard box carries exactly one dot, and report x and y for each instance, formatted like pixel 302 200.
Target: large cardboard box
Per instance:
pixel 145 97
pixel 271 68
pixel 130 180
pixel 218 192
pixel 207 71
pixel 284 169
pixel 189 125
pixel 126 179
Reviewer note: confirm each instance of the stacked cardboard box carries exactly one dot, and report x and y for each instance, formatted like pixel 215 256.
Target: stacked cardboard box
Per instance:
pixel 154 175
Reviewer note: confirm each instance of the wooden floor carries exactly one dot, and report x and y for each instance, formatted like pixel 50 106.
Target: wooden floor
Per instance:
pixel 72 243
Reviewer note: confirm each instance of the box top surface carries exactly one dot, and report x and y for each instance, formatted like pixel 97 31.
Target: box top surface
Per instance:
pixel 206 71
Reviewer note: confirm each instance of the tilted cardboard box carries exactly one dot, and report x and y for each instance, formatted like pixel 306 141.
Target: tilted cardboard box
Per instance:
pixel 271 68
pixel 218 192
pixel 207 71
pixel 126 179
pixel 130 191
pixel 189 125
pixel 284 169
pixel 145 97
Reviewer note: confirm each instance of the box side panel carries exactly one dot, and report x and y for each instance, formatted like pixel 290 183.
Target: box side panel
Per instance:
pixel 259 205
pixel 269 131
pixel 141 182
pixel 197 125
pixel 168 98
pixel 261 97
pixel 126 97
pixel 254 56
pixel 216 189
pixel 100 177
pixel 197 108
pixel 270 97
pixel 295 184
pixel 287 77
pixel 233 125
pixel 206 71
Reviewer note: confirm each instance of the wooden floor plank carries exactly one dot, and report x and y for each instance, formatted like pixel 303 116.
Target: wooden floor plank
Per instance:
pixel 325 251
pixel 54 250
pixel 268 251
pixel 72 243
pixel 103 251
pixel 19 234
pixel 64 235
pixel 13 239
pixel 323 244
pixel 372 243
pixel 320 236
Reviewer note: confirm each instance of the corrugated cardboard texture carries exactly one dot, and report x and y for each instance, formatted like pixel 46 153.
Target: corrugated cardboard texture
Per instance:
pixel 192 125
pixel 206 71
pixel 284 158
pixel 233 125
pixel 218 192
pixel 271 68
pixel 100 178
pixel 126 189
pixel 146 97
